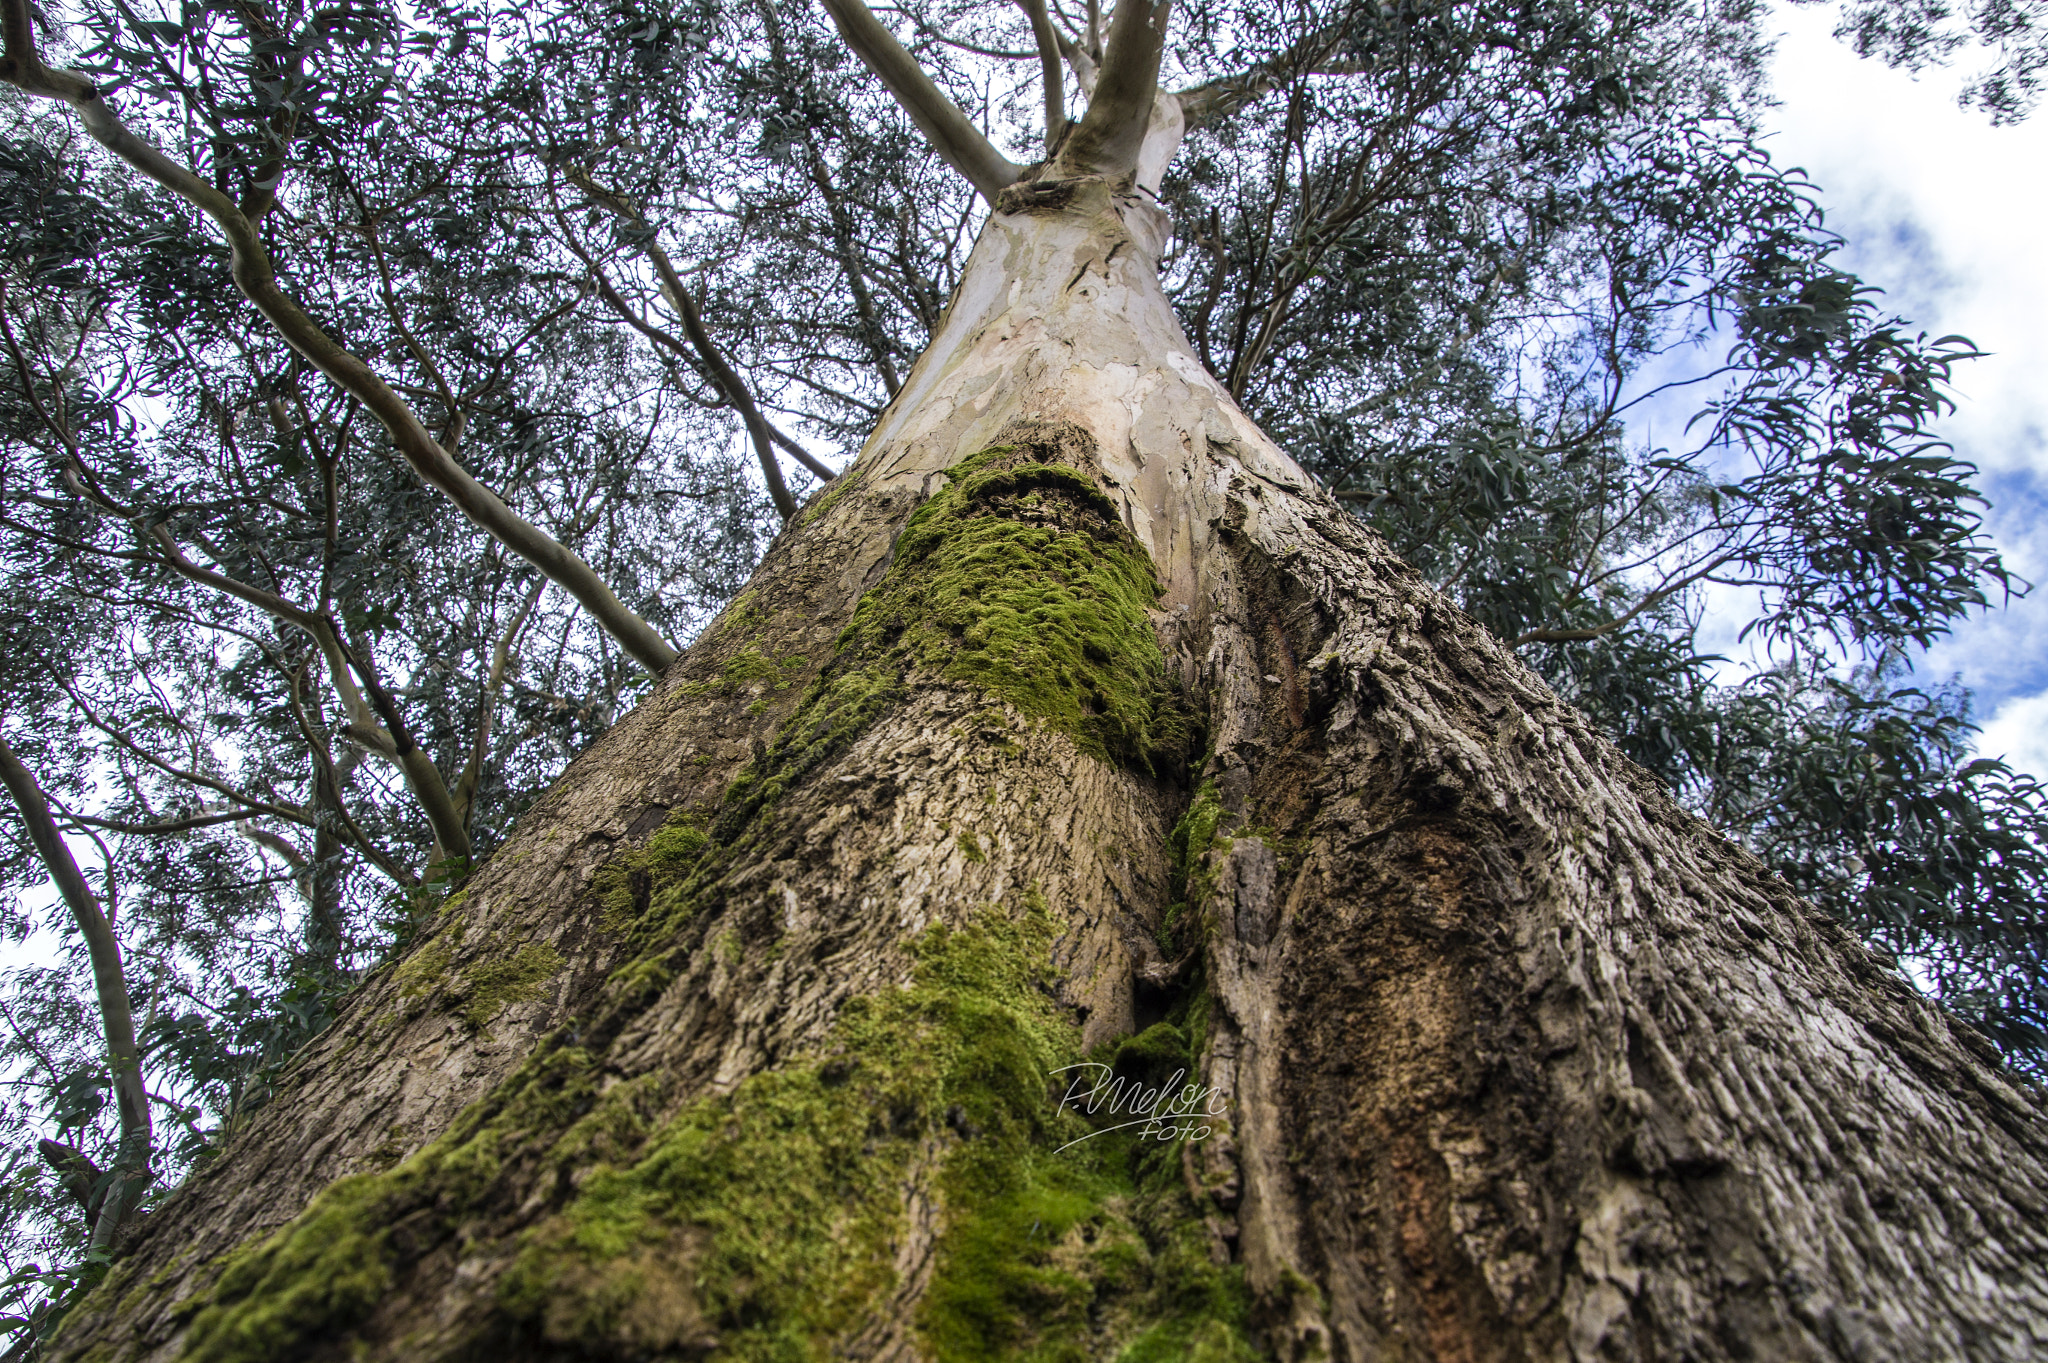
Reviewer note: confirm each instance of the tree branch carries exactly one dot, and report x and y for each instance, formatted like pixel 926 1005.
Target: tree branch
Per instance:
pixel 1112 131
pixel 450 833
pixel 951 133
pixel 103 949
pixel 1211 102
pixel 392 742
pixel 487 703
pixel 286 812
pixel 722 374
pixel 1049 64
pixel 856 277
pixel 184 825
pixel 288 854
pixel 22 66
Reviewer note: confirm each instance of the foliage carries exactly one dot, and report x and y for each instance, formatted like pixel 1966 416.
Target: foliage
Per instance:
pixel 1916 34
pixel 1863 794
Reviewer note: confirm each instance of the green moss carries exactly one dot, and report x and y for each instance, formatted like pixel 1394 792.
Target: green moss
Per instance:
pixel 970 847
pixel 646 892
pixel 1088 1252
pixel 834 712
pixel 751 665
pixel 497 982
pixel 1153 1054
pixel 773 1211
pixel 1197 833
pixel 769 1219
pixel 480 991
pixel 421 973
pixel 746 668
pixel 1020 579
pixel 675 846
pixel 742 616
pixel 320 1275
pixel 323 1272
pixel 826 499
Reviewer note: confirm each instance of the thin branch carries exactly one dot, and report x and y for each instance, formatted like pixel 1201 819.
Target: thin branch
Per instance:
pixel 1049 65
pixel 856 277
pixel 450 832
pixel 184 825
pixel 494 684
pixel 1211 102
pixel 222 788
pixel 729 382
pixel 290 855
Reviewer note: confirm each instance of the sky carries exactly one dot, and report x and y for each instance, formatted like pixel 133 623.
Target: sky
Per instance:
pixel 1946 213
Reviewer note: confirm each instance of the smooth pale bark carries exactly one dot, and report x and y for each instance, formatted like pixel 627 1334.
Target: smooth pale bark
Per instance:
pixel 1522 1060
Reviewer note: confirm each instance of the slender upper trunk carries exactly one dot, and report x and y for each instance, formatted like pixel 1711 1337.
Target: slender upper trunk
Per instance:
pixel 1072 711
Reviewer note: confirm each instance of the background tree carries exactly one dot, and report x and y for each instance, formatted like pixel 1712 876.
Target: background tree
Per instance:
pixel 1436 254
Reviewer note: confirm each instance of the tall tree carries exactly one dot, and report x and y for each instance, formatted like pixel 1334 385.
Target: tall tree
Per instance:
pixel 1074 725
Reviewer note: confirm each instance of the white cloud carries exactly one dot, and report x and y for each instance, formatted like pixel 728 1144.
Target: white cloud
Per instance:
pixel 2019 733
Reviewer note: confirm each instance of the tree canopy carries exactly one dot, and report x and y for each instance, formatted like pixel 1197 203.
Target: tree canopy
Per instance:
pixel 447 367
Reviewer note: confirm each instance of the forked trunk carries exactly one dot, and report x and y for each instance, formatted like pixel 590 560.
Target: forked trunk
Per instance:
pixel 1074 721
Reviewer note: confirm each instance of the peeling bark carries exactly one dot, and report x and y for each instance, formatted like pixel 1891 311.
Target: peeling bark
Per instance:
pixel 1521 1060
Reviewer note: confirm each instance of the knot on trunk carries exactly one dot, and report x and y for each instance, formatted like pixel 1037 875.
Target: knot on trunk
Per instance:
pixel 1057 194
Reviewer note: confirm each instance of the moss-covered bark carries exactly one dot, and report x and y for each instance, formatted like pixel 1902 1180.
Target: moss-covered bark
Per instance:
pixel 767 1222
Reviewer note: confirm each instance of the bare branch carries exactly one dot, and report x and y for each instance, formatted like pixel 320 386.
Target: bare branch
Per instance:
pixel 285 852
pixel 1211 102
pixel 393 742
pixel 799 453
pixel 722 374
pixel 856 277
pixel 1112 132
pixel 952 133
pixel 1049 64
pixel 487 703
pixel 184 825
pixel 450 833
pixel 1081 61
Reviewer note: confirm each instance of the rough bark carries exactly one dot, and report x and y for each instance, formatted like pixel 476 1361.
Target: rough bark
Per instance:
pixel 1521 1060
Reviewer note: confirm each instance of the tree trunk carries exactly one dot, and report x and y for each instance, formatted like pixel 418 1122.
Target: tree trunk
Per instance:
pixel 742 1044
